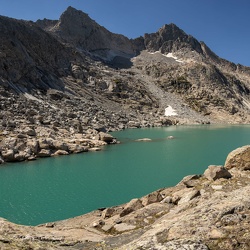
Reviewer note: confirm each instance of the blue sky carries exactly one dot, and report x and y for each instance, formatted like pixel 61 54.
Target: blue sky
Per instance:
pixel 222 24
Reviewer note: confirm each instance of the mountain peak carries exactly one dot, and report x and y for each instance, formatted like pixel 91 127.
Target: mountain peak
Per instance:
pixel 72 16
pixel 72 10
pixel 170 38
pixel 74 25
pixel 171 32
pixel 79 30
pixel 76 28
pixel 170 26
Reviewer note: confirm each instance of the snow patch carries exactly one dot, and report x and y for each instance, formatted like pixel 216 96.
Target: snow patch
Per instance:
pixel 169 55
pixel 153 53
pixel 169 111
pixel 180 61
pixel 174 57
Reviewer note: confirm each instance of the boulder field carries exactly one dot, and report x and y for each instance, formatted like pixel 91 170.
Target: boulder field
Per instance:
pixel 31 144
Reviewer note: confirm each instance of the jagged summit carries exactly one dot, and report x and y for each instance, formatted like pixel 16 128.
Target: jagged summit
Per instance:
pixel 171 32
pixel 73 10
pixel 77 29
pixel 170 38
pixel 75 19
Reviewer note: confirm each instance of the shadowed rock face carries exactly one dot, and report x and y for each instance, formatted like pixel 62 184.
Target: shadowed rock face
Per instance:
pixel 78 29
pixel 30 58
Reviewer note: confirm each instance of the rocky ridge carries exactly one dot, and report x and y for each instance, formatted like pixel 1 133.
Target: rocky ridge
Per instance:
pixel 203 212
pixel 76 28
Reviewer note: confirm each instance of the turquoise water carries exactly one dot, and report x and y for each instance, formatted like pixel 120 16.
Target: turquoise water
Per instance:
pixel 61 187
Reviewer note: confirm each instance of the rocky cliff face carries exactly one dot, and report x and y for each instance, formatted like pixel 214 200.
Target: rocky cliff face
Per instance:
pixel 78 29
pixel 30 59
pixel 178 63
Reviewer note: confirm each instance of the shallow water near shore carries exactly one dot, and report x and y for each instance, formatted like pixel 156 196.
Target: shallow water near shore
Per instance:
pixel 57 188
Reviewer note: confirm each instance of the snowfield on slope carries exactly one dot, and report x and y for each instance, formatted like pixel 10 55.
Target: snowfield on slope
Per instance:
pixel 169 111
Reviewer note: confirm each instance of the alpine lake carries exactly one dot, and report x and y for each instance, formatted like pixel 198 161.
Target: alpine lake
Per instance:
pixel 58 188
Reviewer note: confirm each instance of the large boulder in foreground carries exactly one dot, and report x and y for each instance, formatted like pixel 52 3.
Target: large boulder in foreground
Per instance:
pixel 214 172
pixel 133 205
pixel 8 155
pixel 239 158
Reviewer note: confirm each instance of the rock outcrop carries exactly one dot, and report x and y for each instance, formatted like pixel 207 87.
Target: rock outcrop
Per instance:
pixel 239 158
pixel 200 212
pixel 216 172
pixel 170 38
pixel 29 148
pixel 30 59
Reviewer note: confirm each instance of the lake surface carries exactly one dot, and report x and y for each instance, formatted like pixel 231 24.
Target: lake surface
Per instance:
pixel 61 187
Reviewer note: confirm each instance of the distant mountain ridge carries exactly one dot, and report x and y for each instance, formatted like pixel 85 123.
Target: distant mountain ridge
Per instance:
pixel 78 29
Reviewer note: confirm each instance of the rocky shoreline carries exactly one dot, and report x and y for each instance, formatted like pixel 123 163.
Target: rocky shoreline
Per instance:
pixel 203 212
pixel 32 127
